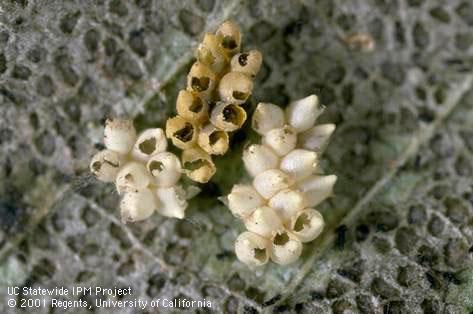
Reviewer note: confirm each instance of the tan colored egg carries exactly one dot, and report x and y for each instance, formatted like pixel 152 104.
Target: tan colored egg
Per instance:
pixel 227 116
pixel 213 140
pixel 235 87
pixel 198 165
pixel 230 35
pixel 183 133
pixel 247 62
pixel 192 107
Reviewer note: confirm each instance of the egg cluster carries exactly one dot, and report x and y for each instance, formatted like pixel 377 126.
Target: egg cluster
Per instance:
pixel 277 208
pixel 143 171
pixel 218 83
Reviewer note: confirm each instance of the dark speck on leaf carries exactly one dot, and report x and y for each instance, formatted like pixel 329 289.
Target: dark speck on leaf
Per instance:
pixel 362 232
pixel 451 278
pixel 210 190
pixel 224 255
pixel 316 295
pixel 9 215
pixel 341 237
pixel 273 300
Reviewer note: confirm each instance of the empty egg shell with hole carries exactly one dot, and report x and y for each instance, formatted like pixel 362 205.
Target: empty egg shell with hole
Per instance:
pixel 143 171
pixel 230 35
